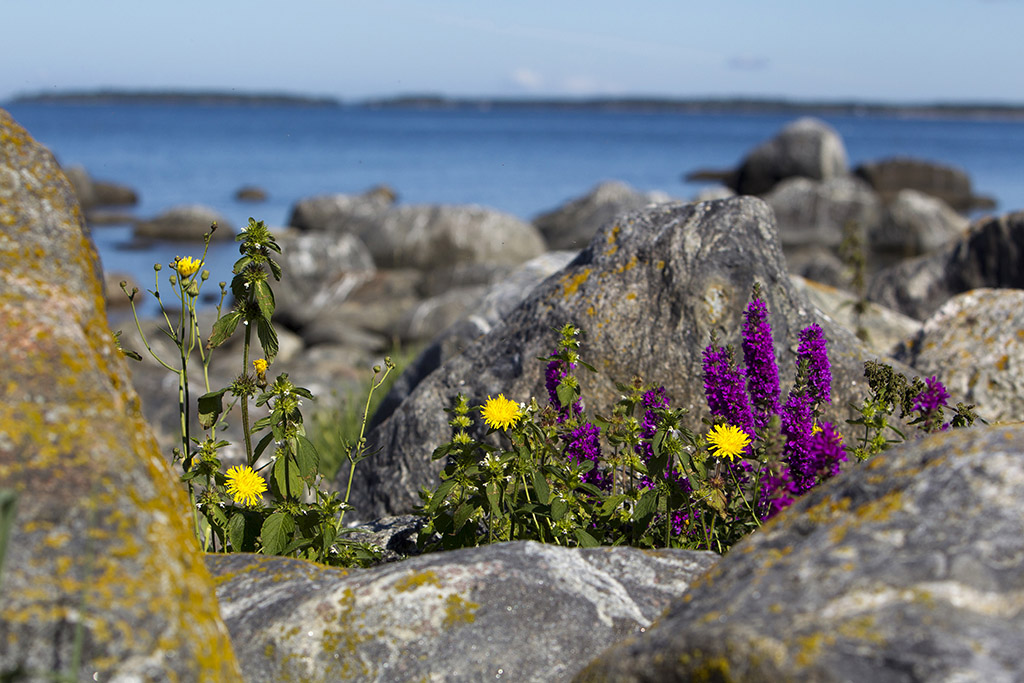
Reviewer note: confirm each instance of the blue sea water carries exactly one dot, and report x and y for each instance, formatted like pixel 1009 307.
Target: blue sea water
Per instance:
pixel 522 161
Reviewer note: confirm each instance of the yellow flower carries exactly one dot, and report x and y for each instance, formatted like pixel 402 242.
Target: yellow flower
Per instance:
pixel 187 266
pixel 727 441
pixel 261 366
pixel 245 486
pixel 500 413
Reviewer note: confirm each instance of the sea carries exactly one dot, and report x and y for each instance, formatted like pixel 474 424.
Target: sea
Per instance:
pixel 523 161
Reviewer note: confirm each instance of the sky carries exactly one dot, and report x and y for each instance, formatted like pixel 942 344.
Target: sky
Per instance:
pixel 901 51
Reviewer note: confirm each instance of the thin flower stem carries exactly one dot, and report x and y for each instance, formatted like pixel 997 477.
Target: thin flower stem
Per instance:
pixel 245 398
pixel 374 385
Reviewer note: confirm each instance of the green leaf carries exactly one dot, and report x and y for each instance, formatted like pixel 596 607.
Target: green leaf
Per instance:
pixel 276 532
pixel 211 406
pixel 275 267
pixel 308 460
pixel 558 509
pixel 265 299
pixel 286 478
pixel 540 486
pixel 268 338
pixel 586 540
pixel 262 445
pixel 462 515
pixel 224 328
pixel 566 394
pixel 493 497
pixel 236 532
pixel 646 506
pixel 440 493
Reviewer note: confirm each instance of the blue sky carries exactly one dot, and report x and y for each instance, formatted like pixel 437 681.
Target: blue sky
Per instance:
pixel 879 50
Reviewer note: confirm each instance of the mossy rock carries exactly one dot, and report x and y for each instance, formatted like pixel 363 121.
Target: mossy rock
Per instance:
pixel 101 552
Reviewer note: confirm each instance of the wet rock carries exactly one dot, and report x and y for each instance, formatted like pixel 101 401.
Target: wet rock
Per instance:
pixel 952 185
pixel 251 193
pixel 101 551
pixel 990 254
pixel 975 345
pixel 340 212
pixel 904 569
pixel 807 148
pixel 93 193
pixel 518 611
pixel 647 292
pixel 572 225
pixel 186 224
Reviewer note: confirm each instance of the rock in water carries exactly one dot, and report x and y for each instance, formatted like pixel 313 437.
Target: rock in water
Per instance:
pixel 950 184
pixel 186 223
pixel 101 549
pixel 905 569
pixel 647 292
pixel 512 611
pixel 807 148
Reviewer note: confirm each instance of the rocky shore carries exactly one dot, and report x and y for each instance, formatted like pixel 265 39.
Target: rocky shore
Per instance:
pixel 905 568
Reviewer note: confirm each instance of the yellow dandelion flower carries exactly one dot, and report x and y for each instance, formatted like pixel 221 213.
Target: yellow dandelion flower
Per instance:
pixel 500 413
pixel 727 441
pixel 245 486
pixel 187 266
pixel 260 364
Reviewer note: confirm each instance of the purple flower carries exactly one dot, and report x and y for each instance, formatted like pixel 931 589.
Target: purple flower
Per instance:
pixel 777 493
pixel 583 443
pixel 930 402
pixel 819 371
pixel 759 357
pixel 825 451
pixel 798 426
pixel 723 389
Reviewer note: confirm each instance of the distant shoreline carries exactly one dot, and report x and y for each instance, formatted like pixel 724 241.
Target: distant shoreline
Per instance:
pixel 734 105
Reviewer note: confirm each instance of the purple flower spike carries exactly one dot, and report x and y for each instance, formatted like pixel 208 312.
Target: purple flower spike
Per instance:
pixel 826 451
pixel 798 426
pixel 583 443
pixel 552 377
pixel 930 402
pixel 723 389
pixel 819 370
pixel 759 357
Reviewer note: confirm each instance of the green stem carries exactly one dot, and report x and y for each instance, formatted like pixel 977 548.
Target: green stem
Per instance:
pixel 245 398
pixel 359 445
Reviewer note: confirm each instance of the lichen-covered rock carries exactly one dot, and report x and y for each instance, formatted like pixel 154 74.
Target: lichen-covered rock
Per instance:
pixel 101 552
pixel 975 345
pixel 647 292
pixel 990 254
pixel 571 226
pixel 514 611
pixel 905 569
pixel 807 148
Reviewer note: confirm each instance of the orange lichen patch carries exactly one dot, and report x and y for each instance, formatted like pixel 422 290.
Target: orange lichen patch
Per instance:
pixel 630 296
pixel 1002 362
pixel 660 265
pixel 571 283
pixel 628 265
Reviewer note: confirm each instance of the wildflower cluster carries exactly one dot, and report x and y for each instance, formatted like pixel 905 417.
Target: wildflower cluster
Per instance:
pixel 230 510
pixel 638 476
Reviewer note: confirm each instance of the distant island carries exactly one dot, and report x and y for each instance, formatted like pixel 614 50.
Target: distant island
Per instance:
pixel 742 105
pixel 175 97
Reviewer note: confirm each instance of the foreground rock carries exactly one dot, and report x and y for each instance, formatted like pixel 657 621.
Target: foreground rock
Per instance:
pixel 186 224
pixel 990 254
pixel 906 569
pixel 515 611
pixel 572 225
pixel 975 345
pixel 647 292
pixel 805 148
pixel 100 551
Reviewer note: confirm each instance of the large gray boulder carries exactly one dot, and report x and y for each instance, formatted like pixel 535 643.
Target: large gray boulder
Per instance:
pixel 807 148
pixel 952 185
pixel 480 319
pixel 974 344
pixel 101 555
pixel 815 213
pixel 572 225
pixel 647 292
pixel 514 611
pixel 905 569
pixel 914 224
pixel 319 271
pixel 990 254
